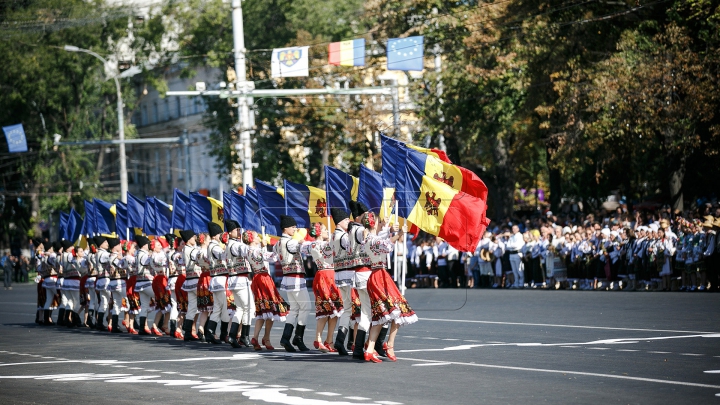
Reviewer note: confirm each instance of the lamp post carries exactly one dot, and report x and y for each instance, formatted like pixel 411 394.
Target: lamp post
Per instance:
pixel 121 124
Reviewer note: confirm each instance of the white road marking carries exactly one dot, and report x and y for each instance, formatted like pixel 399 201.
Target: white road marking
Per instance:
pixel 627 350
pixel 358 398
pixel 302 389
pixel 563 326
pixel 277 386
pixel 431 364
pixel 712 371
pixel 660 352
pixel 450 339
pixel 542 370
pixel 691 354
pixel 168 372
pixel 388 403
pixel 571 347
pixel 598 348
pixel 189 375
pixel 329 394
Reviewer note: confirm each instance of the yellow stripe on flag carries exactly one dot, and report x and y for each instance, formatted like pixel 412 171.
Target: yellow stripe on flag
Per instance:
pixel 443 172
pixel 346 53
pixel 355 188
pixel 430 208
pixel 218 215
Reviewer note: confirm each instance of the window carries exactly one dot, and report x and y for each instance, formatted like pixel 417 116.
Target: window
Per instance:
pixel 156 118
pixel 167 110
pixel 179 107
pixel 144 114
pixel 168 165
pixel 156 167
pixel 137 119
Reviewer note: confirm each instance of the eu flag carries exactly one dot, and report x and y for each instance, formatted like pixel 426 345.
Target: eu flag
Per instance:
pixel 15 136
pixel 405 53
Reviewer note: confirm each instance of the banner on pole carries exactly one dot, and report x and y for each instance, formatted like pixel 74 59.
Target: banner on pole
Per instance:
pixel 290 62
pixel 15 135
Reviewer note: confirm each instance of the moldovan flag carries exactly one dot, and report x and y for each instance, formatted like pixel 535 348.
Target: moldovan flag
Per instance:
pixel 62 230
pixel 370 192
pixel 271 202
pixel 457 177
pixel 136 212
pixel 121 221
pixel 305 203
pixel 290 62
pixel 163 217
pixel 440 210
pixel 252 218
pixel 202 210
pixel 234 206
pixel 180 205
pixel 74 226
pixel 105 217
pixel 340 188
pixel 347 53
pixel 89 223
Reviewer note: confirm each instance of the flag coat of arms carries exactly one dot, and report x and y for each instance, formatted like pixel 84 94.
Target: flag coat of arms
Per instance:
pixel 290 62
pixel 306 204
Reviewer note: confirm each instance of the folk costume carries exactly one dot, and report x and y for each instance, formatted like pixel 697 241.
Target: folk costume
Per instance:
pixel 102 285
pixel 294 284
pixel 362 274
pixel 239 285
pixel 159 264
pixel 117 285
pixel 143 283
pixel 218 283
pixel 190 255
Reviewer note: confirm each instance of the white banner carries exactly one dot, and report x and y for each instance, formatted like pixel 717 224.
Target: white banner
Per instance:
pixel 290 62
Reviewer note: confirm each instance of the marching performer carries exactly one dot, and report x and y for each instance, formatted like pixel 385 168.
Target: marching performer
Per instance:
pixel 129 263
pixel 294 284
pixel 159 268
pixel 387 304
pixel 192 274
pixel 205 301
pixel 102 284
pixel 60 262
pixel 143 283
pixel 173 254
pixel 117 284
pixel 240 286
pixel 180 296
pixel 84 268
pixel 362 274
pixel 345 260
pixel 39 257
pixel 219 274
pixel 71 285
pixel 328 304
pixel 269 304
pixel 92 305
pixel 49 278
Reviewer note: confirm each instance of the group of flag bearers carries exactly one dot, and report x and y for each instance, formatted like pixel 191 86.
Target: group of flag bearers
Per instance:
pixel 196 281
pixel 208 287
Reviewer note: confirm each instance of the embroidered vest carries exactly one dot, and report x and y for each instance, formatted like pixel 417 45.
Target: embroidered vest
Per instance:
pixel 143 270
pixel 291 262
pixel 192 269
pixel 236 264
pixel 217 265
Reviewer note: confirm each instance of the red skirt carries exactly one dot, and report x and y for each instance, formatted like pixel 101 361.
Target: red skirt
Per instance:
pixel 41 298
pixel 181 296
pixel 269 304
pixel 388 305
pixel 204 296
pixel 162 295
pixel 133 298
pixel 328 302
pixel 230 302
pixel 355 307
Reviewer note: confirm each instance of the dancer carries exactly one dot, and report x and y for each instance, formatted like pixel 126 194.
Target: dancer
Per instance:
pixel 387 304
pixel 192 275
pixel 205 302
pixel 129 263
pixel 269 304
pixel 143 283
pixel 219 274
pixel 181 296
pixel 102 284
pixel 117 285
pixel 328 304
pixel 159 264
pixel 240 285
pixel 362 273
pixel 294 284
pixel 174 256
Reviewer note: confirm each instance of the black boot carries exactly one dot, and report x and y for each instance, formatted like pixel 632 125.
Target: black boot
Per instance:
pixel 61 317
pixel 223 332
pixel 245 335
pixel 285 340
pixel 99 321
pixel 78 322
pixel 90 319
pixel 201 336
pixel 210 333
pixel 233 333
pixel 37 317
pixel 173 326
pixel 359 352
pixel 143 325
pixel 351 339
pixel 187 328
pixel 115 324
pixel 379 343
pixel 340 341
pixel 298 339
pixel 48 318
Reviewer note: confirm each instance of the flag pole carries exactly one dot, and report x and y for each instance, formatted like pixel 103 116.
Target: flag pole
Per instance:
pixel 396 260
pixel 404 263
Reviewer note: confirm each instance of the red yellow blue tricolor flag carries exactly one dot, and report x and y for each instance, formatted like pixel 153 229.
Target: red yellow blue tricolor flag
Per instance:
pixel 347 53
pixel 340 188
pixel 306 204
pixel 457 177
pixel 439 209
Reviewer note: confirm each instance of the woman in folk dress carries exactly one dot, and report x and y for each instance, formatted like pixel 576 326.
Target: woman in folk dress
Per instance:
pixel 388 304
pixel 328 302
pixel 269 304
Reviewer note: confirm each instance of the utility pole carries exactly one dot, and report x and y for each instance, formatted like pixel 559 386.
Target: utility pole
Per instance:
pixel 245 120
pixel 186 152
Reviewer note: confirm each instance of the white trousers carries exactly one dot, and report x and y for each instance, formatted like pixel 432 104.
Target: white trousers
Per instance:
pixel 63 299
pixel 244 306
pixel 220 309
pixel 49 296
pixel 93 303
pixel 73 300
pixel 104 301
pixel 192 305
pixel 517 269
pixel 173 307
pixel 146 296
pixel 365 309
pixel 299 306
pixel 346 294
pixel 117 297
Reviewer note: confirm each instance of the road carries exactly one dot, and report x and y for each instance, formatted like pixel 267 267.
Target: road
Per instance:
pixel 469 347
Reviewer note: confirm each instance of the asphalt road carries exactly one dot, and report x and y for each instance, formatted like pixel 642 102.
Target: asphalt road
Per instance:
pixel 495 347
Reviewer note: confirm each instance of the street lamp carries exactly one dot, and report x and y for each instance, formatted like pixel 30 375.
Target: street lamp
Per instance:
pixel 121 124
